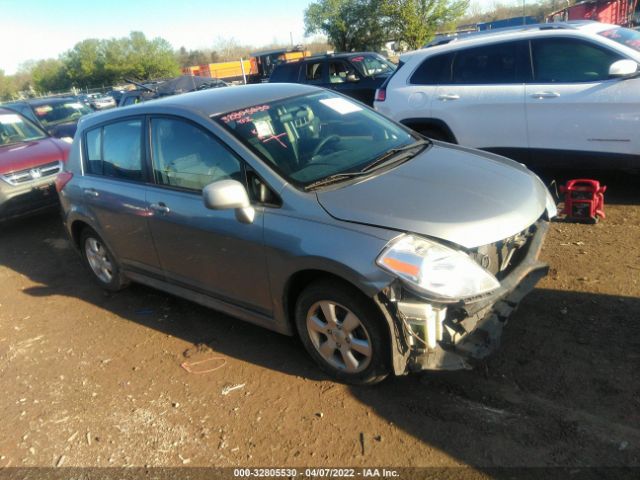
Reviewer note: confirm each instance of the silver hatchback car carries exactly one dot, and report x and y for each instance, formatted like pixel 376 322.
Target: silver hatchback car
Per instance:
pixel 307 213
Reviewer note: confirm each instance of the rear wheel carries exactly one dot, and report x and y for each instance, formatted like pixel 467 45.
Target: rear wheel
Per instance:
pixel 101 261
pixel 342 332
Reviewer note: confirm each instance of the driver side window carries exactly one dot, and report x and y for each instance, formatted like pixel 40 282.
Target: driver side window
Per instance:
pixel 186 156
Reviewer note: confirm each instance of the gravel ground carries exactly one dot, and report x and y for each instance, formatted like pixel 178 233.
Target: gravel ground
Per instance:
pixel 92 379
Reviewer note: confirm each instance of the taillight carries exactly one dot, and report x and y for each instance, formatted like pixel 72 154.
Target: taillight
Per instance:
pixel 62 179
pixel 381 94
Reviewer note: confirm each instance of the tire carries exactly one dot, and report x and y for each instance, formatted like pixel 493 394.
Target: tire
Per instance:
pixel 343 332
pixel 100 261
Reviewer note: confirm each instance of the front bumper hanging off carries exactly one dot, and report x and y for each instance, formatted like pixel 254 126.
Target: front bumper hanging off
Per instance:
pixel 431 336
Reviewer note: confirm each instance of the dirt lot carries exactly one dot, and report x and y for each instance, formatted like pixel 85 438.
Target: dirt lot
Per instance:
pixel 92 379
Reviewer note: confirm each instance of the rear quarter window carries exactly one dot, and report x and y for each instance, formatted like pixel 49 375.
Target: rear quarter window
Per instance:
pixel 433 70
pixel 115 150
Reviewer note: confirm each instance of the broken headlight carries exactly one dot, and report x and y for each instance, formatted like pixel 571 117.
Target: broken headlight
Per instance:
pixel 438 271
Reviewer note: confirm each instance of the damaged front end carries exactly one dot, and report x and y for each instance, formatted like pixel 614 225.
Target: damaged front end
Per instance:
pixel 435 333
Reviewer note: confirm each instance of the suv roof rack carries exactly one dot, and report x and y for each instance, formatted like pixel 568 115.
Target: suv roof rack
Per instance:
pixel 453 37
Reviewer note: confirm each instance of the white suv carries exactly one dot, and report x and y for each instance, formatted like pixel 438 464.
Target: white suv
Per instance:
pixel 554 94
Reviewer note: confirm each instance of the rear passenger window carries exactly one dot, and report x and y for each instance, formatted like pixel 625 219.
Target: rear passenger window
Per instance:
pixel 433 71
pixel 285 73
pixel 115 150
pixel 489 65
pixel 186 156
pixel 567 60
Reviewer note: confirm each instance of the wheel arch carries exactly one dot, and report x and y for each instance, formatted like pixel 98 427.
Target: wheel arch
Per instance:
pixel 300 280
pixel 419 124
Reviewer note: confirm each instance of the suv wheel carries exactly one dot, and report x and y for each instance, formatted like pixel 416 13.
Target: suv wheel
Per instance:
pixel 433 133
pixel 100 261
pixel 342 333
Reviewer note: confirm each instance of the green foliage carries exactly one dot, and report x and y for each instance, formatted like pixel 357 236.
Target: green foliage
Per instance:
pixel 368 24
pixel 348 24
pixel 50 76
pixel 94 63
pixel 415 22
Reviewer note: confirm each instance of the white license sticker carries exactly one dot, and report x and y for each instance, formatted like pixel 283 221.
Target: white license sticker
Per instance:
pixel 263 128
pixel 77 106
pixel 341 105
pixel 10 118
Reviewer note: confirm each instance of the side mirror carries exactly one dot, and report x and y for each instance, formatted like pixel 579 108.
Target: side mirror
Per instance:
pixel 227 195
pixel 623 68
pixel 352 78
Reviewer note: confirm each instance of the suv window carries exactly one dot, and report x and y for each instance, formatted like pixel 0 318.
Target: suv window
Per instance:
pixel 286 73
pixel 568 60
pixel 487 65
pixel 339 70
pixel 314 72
pixel 433 71
pixel 186 156
pixel 115 150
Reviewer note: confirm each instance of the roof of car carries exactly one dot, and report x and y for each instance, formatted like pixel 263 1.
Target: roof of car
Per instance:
pixel 488 36
pixel 42 101
pixel 208 102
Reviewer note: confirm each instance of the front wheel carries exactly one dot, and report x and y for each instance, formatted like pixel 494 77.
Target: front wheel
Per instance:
pixel 101 261
pixel 342 332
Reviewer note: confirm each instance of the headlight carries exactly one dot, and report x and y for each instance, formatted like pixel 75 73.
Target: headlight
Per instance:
pixel 447 274
pixel 67 139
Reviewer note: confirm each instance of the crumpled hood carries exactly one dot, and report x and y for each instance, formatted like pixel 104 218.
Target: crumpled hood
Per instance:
pixel 456 194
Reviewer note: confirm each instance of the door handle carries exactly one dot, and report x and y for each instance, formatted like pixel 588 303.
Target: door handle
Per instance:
pixel 90 192
pixel 159 208
pixel 540 95
pixel 448 96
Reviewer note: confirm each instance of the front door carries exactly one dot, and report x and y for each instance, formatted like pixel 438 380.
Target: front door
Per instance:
pixel 209 251
pixel 576 114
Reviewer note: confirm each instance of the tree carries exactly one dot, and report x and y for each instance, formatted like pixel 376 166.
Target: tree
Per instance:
pixel 50 76
pixel 348 24
pixel 415 22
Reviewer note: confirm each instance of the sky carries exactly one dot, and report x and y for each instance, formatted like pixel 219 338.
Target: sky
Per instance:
pixel 38 29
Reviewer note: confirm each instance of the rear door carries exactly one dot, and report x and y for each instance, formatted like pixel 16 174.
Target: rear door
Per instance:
pixel 481 97
pixel 208 251
pixel 575 112
pixel 114 190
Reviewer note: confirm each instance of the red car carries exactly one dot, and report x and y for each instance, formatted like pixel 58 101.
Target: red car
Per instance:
pixel 29 161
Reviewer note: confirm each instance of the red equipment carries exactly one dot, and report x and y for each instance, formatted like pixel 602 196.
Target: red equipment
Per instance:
pixel 583 200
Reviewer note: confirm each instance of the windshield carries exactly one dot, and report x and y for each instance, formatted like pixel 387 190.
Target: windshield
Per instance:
pixel 51 114
pixel 17 129
pixel 371 65
pixel 624 36
pixel 310 137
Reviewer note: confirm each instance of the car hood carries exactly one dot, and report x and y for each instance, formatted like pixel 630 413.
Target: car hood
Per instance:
pixel 459 195
pixel 31 154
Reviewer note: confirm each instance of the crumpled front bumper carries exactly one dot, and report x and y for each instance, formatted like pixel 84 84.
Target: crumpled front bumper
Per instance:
pixel 451 337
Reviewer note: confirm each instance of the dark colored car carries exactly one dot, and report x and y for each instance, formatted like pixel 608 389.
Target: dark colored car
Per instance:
pixel 57 116
pixel 29 162
pixel 357 75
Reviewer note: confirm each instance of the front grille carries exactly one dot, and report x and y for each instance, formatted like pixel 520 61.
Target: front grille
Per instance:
pixel 22 177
